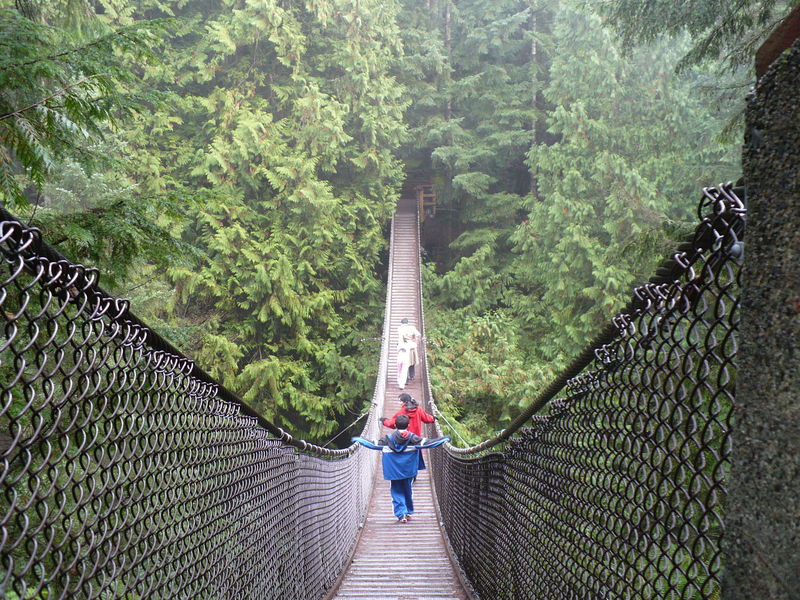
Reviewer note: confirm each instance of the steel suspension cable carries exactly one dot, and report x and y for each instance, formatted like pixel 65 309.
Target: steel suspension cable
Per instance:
pixel 669 269
pixel 156 341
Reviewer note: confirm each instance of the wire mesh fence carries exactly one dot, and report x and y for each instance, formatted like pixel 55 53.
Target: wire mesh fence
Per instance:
pixel 128 473
pixel 615 490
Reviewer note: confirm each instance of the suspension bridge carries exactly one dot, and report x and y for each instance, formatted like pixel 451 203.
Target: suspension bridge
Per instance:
pixel 128 472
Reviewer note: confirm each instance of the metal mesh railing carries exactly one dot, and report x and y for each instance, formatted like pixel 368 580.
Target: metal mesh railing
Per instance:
pixel 128 473
pixel 616 492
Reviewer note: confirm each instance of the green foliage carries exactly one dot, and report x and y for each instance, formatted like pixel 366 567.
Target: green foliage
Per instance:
pixel 282 128
pixel 565 168
pixel 59 88
pixel 100 219
pixel 724 35
pixel 635 146
pixel 480 377
pixel 568 168
pixel 723 31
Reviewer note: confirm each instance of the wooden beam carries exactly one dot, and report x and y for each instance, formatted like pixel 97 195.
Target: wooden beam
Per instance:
pixel 782 38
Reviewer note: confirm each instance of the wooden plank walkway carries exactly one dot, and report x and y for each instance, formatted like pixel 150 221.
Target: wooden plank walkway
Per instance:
pixel 392 560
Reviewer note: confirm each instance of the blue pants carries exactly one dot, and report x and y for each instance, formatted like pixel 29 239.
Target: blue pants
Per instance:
pixel 402 500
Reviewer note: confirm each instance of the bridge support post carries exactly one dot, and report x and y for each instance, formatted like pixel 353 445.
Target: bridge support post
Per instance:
pixel 763 506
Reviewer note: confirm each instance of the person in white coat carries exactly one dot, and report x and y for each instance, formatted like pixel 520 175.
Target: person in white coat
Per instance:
pixel 407 352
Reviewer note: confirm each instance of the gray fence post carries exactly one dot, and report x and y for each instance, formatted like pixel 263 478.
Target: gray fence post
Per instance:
pixel 761 545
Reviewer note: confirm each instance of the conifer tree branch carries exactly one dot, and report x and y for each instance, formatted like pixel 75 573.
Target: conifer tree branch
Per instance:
pixel 50 97
pixel 65 52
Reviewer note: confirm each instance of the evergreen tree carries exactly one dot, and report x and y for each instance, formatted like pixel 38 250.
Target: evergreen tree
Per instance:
pixel 617 147
pixel 636 143
pixel 487 62
pixel 67 89
pixel 59 88
pixel 282 131
pixel 724 34
pixel 727 32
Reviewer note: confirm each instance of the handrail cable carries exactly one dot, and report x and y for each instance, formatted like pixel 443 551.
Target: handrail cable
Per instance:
pixel 702 239
pixel 346 427
pixel 449 424
pixel 157 342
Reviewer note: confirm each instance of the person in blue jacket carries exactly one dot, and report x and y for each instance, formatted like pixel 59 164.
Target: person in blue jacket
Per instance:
pixel 400 459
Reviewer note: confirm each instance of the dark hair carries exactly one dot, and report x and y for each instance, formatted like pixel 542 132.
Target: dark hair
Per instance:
pixel 401 422
pixel 405 398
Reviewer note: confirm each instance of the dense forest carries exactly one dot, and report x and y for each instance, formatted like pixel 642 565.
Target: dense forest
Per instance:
pixel 232 165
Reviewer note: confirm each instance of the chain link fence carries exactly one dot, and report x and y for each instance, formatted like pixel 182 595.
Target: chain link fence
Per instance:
pixel 127 472
pixel 616 488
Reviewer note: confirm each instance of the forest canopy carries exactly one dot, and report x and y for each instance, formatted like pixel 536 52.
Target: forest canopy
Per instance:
pixel 231 166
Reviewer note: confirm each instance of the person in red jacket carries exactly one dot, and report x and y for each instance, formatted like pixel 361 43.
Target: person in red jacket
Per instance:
pixel 416 417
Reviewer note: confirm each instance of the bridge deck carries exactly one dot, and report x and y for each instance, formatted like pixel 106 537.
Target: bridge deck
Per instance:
pixel 396 561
